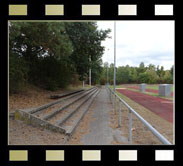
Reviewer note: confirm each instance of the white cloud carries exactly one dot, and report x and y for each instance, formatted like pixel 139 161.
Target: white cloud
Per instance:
pixel 137 41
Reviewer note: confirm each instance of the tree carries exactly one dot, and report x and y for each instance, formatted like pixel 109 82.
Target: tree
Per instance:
pixel 141 74
pixel 160 72
pixel 123 75
pixel 172 70
pixel 141 68
pixel 168 78
pixel 151 67
pixel 96 71
pixel 38 43
pixel 86 40
pixel 51 54
pixel 133 75
pixel 149 77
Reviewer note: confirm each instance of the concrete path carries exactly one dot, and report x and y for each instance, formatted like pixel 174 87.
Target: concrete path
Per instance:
pixel 100 131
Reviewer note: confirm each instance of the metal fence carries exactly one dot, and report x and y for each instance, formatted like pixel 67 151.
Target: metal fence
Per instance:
pixel 114 98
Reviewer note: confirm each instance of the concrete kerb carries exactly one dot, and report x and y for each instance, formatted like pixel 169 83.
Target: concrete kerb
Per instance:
pixel 37 122
pixel 47 117
pixel 66 94
pixel 76 109
pixel 32 111
pixel 71 131
pixel 28 117
pixel 55 102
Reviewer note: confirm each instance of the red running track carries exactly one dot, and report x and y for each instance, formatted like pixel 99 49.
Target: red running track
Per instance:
pixel 161 107
pixel 148 90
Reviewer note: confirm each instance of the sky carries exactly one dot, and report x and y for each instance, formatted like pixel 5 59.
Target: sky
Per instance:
pixel 151 42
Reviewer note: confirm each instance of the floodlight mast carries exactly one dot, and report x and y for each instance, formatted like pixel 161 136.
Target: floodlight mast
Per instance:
pixel 107 76
pixel 107 71
pixel 90 72
pixel 114 81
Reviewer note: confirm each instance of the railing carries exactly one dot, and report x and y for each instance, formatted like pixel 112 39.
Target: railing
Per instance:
pixel 114 97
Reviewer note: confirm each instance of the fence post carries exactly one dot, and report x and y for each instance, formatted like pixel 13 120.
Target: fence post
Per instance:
pixel 110 96
pixel 119 117
pixel 115 103
pixel 112 100
pixel 130 127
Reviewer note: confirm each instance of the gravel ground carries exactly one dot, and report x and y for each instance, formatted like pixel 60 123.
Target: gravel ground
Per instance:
pixel 23 134
pixel 31 98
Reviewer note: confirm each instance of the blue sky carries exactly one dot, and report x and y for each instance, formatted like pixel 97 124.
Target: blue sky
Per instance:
pixel 140 41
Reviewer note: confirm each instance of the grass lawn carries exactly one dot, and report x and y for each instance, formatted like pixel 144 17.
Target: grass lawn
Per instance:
pixel 156 87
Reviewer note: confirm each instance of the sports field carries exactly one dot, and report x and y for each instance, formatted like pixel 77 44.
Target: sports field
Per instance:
pixel 162 106
pixel 151 89
pixel 159 106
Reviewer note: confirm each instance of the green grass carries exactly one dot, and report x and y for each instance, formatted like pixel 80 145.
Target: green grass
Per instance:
pixel 121 95
pixel 118 86
pixel 156 87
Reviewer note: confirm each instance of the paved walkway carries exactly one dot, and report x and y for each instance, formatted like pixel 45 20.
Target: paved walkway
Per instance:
pixel 100 131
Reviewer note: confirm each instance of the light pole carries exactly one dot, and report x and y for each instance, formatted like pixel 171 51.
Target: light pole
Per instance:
pixel 90 71
pixel 107 76
pixel 107 72
pixel 114 81
pixel 114 67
